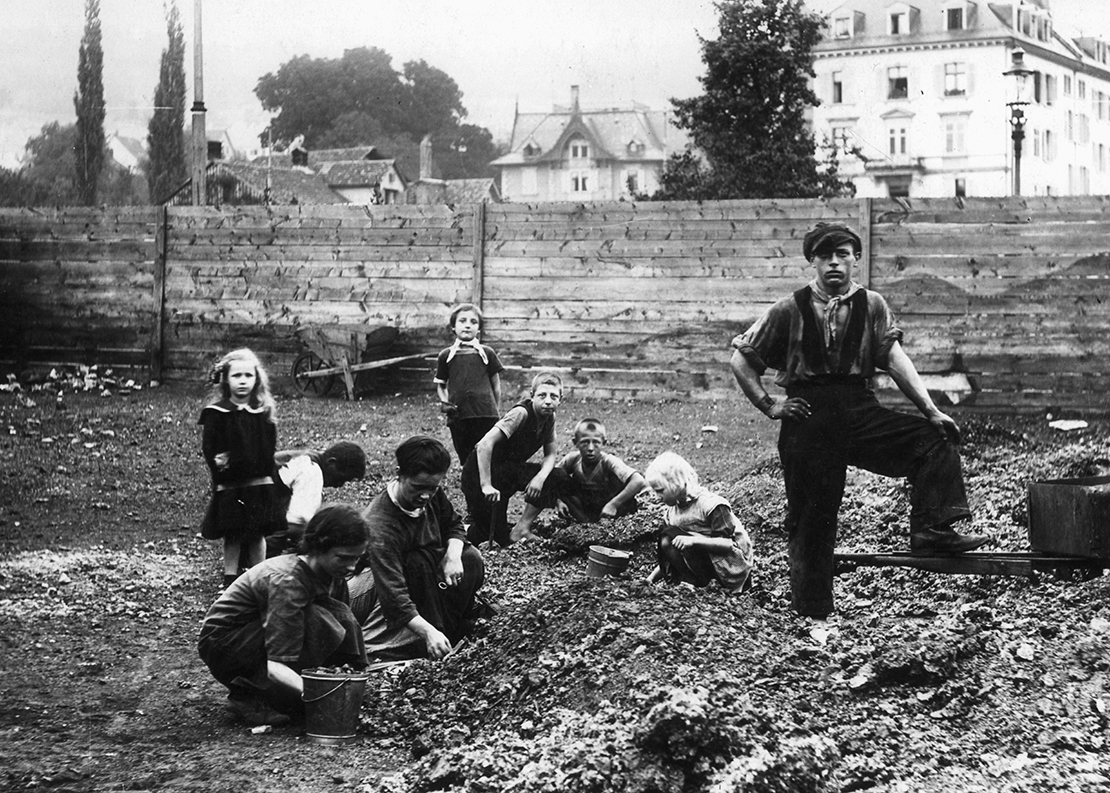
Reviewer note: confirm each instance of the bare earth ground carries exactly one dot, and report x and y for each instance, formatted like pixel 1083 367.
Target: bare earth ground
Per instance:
pixel 924 682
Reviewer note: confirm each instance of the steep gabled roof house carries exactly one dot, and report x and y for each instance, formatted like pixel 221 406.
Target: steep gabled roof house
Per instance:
pixel 571 154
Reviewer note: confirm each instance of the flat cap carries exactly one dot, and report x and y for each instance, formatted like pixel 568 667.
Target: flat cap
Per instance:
pixel 827 237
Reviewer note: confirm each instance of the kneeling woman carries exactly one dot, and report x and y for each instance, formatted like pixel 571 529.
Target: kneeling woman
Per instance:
pixel 285 615
pixel 417 599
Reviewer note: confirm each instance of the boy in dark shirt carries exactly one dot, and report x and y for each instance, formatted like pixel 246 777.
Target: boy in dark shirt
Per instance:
pixel 499 467
pixel 593 483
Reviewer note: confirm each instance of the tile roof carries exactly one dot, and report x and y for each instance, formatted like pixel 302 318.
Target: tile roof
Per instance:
pixel 351 153
pixel 632 134
pixel 471 191
pixel 356 173
pixel 285 183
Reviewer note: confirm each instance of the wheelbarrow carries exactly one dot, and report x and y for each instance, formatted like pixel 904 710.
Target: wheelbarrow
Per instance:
pixel 334 352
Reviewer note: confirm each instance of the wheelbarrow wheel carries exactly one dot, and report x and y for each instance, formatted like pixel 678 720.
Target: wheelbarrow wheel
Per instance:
pixel 311 386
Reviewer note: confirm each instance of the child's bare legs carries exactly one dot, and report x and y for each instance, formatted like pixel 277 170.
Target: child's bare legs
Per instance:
pixel 252 549
pixel 232 549
pixel 523 528
pixel 656 575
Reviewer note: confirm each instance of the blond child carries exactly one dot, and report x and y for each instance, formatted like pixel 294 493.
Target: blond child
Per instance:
pixel 499 466
pixel 592 483
pixel 702 540
pixel 468 381
pixel 238 443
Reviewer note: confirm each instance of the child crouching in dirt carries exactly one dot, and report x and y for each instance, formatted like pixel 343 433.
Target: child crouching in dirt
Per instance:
pixel 702 540
pixel 285 615
pixel 303 475
pixel 593 484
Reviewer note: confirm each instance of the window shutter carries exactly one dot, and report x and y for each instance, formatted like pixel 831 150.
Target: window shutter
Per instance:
pixel 970 70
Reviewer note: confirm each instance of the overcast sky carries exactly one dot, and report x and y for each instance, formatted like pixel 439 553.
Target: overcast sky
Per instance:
pixel 500 52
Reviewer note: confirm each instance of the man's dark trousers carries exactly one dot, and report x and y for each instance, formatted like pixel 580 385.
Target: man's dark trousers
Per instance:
pixel 848 426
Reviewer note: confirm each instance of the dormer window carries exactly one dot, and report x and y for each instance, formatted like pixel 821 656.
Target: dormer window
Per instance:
pixel 958 14
pixel 901 20
pixel 842 28
pixel 530 149
pixel 635 146
pixel 578 149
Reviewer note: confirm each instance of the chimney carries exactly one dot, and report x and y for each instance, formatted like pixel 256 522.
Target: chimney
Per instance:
pixel 426 157
pixel 574 99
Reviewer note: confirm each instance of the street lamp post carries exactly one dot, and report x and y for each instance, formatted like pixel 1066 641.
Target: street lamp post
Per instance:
pixel 1018 76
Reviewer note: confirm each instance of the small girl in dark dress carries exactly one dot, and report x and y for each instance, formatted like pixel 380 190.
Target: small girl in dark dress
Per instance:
pixel 238 442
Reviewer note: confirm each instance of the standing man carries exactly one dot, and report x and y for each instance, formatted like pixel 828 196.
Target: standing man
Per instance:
pixel 826 341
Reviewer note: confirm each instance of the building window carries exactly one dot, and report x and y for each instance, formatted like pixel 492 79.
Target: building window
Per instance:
pixel 840 138
pixel 1036 142
pixel 897 138
pixel 954 20
pixel 1084 128
pixel 632 182
pixel 1084 180
pixel 579 183
pixel 898 82
pixel 579 149
pixel 1101 157
pixel 961 187
pixel 1049 89
pixel 955 136
pixel 837 87
pixel 842 28
pixel 899 23
pixel 955 79
pixel 1069 126
pixel 1049 148
pixel 1067 85
pixel 1081 86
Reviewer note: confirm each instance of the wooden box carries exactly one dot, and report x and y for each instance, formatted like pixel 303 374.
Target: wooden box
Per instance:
pixel 1071 516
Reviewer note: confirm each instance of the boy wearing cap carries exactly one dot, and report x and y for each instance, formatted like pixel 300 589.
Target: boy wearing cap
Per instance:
pixel 826 342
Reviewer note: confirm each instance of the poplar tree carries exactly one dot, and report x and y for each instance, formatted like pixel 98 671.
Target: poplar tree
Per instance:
pixel 90 146
pixel 165 138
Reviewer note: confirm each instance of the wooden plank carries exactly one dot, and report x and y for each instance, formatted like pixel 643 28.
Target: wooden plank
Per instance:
pixel 158 294
pixel 415 253
pixel 479 241
pixel 655 248
pixel 301 270
pixel 84 250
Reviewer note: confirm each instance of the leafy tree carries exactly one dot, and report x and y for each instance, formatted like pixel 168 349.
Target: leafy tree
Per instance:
pixel 167 169
pixel 361 99
pixel 750 122
pixel 433 100
pixel 89 102
pixel 51 163
pixel 311 93
pixel 18 190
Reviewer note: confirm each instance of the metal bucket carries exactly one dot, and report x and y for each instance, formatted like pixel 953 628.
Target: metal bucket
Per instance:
pixel 331 705
pixel 606 561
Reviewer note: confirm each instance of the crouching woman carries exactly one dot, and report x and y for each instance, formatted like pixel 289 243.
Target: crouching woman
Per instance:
pixel 417 599
pixel 285 615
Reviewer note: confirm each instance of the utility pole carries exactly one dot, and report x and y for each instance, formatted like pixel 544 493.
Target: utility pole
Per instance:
pixel 200 137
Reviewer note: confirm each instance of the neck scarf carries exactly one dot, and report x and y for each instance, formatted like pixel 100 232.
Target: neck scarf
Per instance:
pixel 391 489
pixel 832 305
pixel 477 345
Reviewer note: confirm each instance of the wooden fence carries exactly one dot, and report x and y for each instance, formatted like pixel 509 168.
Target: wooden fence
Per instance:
pixel 1004 301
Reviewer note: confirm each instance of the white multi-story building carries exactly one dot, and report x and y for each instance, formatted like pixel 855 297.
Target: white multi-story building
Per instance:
pixel 914 97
